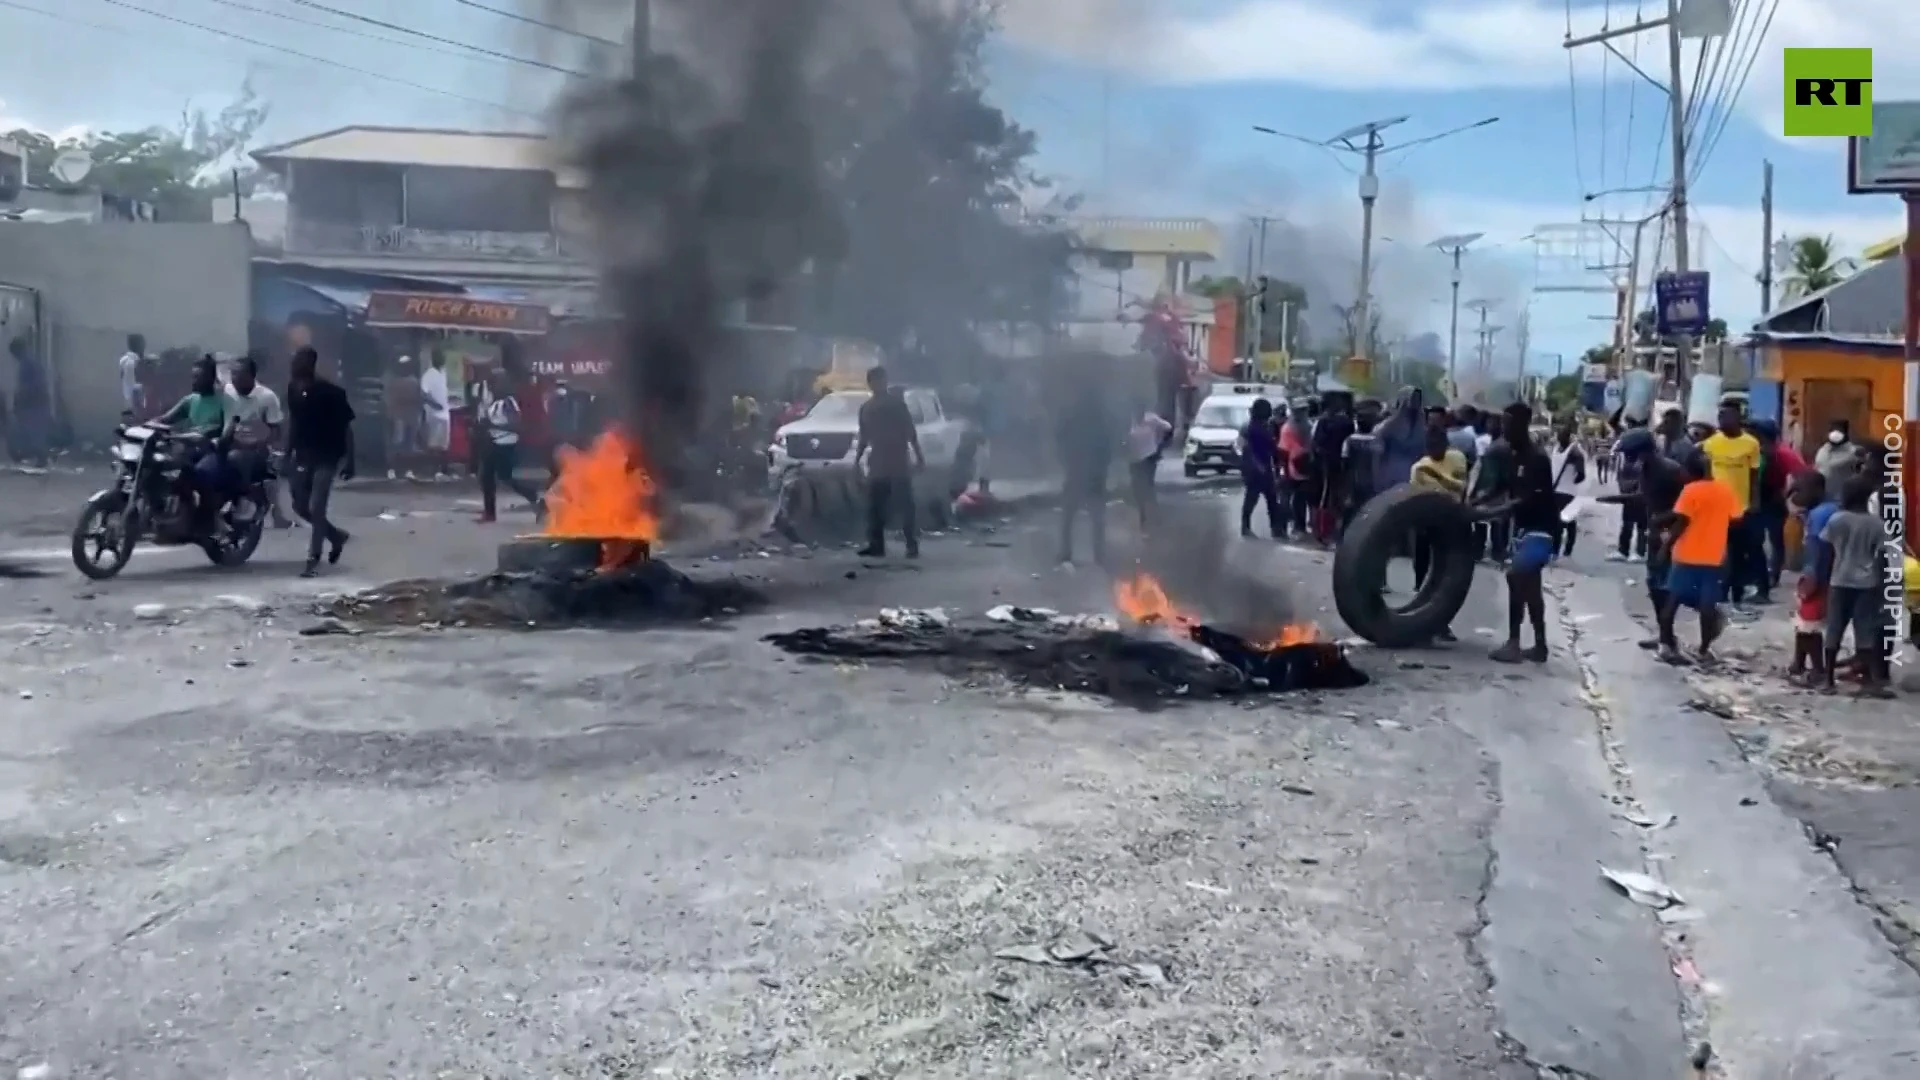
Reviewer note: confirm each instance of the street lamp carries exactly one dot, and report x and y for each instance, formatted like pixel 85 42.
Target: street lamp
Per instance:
pixel 1364 140
pixel 1455 245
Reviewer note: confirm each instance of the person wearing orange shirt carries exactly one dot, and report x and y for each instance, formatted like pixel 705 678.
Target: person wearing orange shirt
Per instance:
pixel 1697 532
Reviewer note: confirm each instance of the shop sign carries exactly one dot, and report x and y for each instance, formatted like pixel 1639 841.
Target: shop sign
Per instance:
pixel 435 310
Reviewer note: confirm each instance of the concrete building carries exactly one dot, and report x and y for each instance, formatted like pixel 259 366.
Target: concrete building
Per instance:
pixel 76 290
pixel 485 209
pixel 1126 262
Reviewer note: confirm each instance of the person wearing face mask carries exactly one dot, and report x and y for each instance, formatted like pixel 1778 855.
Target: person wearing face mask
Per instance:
pixel 1838 459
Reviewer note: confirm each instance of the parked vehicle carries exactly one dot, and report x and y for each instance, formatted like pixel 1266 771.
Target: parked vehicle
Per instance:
pixel 1213 439
pixel 154 499
pixel 824 438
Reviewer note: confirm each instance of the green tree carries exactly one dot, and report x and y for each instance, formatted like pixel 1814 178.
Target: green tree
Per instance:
pixel 1281 304
pixel 1563 392
pixel 1813 264
pixel 181 170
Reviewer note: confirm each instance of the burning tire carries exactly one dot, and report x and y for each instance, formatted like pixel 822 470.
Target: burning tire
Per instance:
pixel 1377 534
pixel 550 557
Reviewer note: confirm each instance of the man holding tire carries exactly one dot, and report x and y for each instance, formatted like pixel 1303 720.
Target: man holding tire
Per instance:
pixel 1526 497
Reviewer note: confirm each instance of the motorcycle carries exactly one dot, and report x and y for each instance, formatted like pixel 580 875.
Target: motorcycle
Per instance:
pixel 154 498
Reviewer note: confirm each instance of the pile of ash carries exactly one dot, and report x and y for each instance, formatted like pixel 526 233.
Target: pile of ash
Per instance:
pixel 1085 654
pixel 647 592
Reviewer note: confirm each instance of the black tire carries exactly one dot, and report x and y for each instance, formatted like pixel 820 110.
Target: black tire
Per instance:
pixel 1369 544
pixel 239 553
pixel 540 555
pixel 101 505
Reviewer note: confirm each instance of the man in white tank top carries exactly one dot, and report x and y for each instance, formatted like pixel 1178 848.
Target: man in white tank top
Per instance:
pixel 1569 480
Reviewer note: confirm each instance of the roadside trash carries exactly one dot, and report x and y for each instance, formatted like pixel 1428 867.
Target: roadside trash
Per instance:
pixel 327 628
pixel 1642 889
pixel 248 604
pixel 1648 821
pixel 149 612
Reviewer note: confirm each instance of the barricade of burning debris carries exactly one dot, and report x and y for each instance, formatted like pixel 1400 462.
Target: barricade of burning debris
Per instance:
pixel 593 565
pixel 1158 656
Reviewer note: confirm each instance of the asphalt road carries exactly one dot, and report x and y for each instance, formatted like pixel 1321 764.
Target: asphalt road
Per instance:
pixel 229 850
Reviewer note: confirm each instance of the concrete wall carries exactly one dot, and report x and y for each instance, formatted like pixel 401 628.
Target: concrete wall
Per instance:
pixel 182 285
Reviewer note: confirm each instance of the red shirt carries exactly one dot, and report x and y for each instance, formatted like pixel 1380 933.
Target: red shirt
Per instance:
pixel 1788 461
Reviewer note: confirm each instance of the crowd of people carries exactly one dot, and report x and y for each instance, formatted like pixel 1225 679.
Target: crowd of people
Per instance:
pixel 1708 510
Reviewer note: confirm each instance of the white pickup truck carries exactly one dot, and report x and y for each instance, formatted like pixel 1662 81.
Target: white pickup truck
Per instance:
pixel 824 438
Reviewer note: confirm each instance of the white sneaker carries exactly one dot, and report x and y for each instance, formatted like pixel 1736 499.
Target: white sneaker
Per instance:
pixel 1614 556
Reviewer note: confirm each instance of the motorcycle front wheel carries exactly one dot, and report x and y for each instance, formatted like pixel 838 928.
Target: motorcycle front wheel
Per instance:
pixel 103 539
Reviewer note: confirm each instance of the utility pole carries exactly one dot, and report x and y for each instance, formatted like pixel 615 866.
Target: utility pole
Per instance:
pixel 1455 246
pixel 1676 90
pixel 1766 238
pixel 1365 141
pixel 1522 338
pixel 642 34
pixel 1480 352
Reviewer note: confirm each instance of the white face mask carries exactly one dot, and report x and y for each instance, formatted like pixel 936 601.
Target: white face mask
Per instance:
pixel 1836 438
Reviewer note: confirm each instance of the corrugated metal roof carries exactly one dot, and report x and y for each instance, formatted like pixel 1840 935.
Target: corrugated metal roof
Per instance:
pixel 1869 304
pixel 438 147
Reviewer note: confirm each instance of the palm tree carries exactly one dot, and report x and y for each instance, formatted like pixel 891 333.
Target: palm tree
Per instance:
pixel 1812 265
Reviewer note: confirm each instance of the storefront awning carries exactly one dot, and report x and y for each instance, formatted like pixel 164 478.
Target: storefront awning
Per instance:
pixel 440 311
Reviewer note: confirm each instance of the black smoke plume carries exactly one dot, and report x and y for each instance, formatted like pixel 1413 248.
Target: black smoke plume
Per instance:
pixel 834 158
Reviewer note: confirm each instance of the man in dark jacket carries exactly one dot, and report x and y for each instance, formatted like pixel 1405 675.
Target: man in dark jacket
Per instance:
pixel 1089 436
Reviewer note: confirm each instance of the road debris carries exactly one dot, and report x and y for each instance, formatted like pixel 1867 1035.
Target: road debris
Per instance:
pixel 1088 951
pixel 643 592
pixel 1143 667
pixel 1643 889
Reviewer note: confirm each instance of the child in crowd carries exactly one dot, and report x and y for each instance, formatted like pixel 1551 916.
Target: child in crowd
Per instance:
pixel 1814 504
pixel 1857 541
pixel 1697 531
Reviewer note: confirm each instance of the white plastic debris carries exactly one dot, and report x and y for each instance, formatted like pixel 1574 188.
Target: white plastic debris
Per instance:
pixel 238 602
pixel 915 618
pixel 1087 622
pixel 149 611
pixel 1643 889
pixel 1013 613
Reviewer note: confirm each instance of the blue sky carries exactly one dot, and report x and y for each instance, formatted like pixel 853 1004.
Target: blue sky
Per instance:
pixel 1145 106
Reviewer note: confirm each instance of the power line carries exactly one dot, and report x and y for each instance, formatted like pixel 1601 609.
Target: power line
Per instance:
pixel 1758 41
pixel 239 5
pixel 257 43
pixel 1573 108
pixel 530 21
pixel 456 43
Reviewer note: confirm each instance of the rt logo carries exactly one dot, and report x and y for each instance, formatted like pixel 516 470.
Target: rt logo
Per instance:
pixel 1829 91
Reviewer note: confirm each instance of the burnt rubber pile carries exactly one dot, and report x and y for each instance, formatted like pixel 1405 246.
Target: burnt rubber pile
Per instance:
pixel 1043 650
pixel 641 593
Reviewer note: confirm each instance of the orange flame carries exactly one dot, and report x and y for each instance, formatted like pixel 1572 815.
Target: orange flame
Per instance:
pixel 604 493
pixel 1143 600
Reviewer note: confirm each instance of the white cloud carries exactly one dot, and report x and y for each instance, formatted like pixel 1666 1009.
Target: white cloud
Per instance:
pixel 1436 46
pixel 9 122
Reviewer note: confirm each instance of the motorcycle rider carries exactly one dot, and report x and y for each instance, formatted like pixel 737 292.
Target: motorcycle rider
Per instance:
pixel 254 427
pixel 205 411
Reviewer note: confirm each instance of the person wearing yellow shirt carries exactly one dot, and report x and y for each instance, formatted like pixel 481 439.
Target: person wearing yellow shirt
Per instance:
pixel 1733 454
pixel 1441 468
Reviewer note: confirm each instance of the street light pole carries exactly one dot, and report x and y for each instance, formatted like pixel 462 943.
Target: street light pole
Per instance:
pixel 642 34
pixel 1456 247
pixel 1676 88
pixel 1365 141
